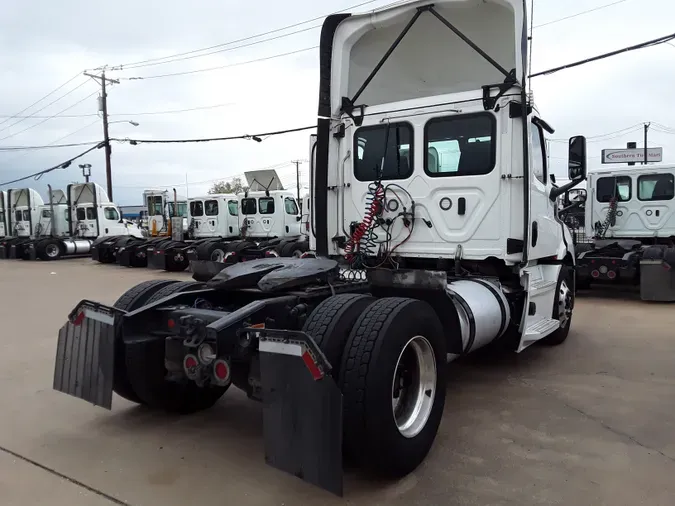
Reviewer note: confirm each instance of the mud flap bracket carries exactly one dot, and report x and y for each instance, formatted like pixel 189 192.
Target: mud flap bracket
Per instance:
pixel 302 409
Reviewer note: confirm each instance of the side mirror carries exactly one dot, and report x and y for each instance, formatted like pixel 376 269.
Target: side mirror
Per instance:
pixel 553 178
pixel 576 168
pixel 298 218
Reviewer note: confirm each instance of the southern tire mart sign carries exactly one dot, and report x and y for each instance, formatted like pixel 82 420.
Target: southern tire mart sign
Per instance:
pixel 631 155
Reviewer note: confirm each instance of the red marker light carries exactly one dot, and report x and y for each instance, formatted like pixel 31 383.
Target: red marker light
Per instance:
pixel 79 319
pixel 311 365
pixel 171 323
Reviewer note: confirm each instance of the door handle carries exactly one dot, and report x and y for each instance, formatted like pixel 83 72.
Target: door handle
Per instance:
pixel 657 212
pixel 461 206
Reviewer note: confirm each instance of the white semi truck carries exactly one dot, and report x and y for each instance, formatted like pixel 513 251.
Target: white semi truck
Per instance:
pixel 431 178
pixel 90 216
pixel 630 225
pixel 23 214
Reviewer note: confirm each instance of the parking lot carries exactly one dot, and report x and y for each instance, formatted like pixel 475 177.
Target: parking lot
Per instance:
pixel 588 423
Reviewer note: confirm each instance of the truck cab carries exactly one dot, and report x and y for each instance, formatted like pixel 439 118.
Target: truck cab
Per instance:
pixel 161 207
pixel 267 210
pixel 23 215
pixel 214 215
pixel 54 217
pixel 3 214
pixel 92 214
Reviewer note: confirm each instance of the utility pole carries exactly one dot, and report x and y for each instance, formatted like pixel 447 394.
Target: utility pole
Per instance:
pixel 631 145
pixel 297 176
pixel 646 128
pixel 106 138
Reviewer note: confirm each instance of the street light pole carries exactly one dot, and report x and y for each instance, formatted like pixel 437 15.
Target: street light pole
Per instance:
pixel 86 171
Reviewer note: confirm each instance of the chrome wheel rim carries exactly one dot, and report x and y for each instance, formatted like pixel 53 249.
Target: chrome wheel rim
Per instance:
pixel 52 250
pixel 297 253
pixel 413 387
pixel 218 255
pixel 564 304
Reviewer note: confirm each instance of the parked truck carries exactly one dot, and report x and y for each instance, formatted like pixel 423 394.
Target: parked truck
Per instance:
pixel 162 207
pixel 263 221
pixel 90 217
pixel 23 214
pixel 630 221
pixel 4 227
pixel 431 178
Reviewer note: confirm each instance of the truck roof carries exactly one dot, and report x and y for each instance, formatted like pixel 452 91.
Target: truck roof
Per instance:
pixel 212 196
pixel 631 169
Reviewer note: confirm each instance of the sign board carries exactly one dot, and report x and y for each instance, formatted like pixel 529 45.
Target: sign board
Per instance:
pixel 631 155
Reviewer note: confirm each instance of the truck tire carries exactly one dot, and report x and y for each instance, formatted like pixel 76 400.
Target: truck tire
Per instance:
pixel 294 249
pixel 49 249
pixel 145 363
pixel 331 322
pixel 181 286
pixel 241 246
pixel 176 261
pixel 388 341
pixel 563 307
pixel 214 251
pixel 132 299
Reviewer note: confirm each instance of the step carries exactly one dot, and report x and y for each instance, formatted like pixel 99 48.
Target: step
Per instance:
pixel 541 285
pixel 541 328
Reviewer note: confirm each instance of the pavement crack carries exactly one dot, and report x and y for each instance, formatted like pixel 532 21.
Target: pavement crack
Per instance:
pixel 599 421
pixel 78 483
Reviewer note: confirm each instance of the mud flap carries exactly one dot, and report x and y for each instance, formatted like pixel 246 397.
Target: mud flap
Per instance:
pixel 3 252
pixel 302 409
pixel 157 258
pixel 85 353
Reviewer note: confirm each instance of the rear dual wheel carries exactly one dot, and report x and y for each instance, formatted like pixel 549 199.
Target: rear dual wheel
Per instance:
pixel 391 356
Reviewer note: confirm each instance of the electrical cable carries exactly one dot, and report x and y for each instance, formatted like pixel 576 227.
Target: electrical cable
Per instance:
pixel 649 43
pixel 44 107
pixel 579 14
pixel 38 101
pixel 276 30
pixel 196 71
pixel 47 119
pixel 62 165
pixel 255 137
pixel 48 146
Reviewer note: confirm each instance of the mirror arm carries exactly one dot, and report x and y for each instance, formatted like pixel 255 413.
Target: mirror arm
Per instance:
pixel 556 192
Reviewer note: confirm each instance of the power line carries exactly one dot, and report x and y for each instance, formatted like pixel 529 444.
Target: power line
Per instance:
pixel 37 102
pixel 173 74
pixel 173 111
pixel 47 146
pixel 44 107
pixel 255 137
pixel 276 30
pixel 649 43
pixel 579 14
pixel 62 165
pixel 629 129
pixel 50 117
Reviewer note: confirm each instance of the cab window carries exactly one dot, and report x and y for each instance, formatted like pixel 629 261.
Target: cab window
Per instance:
pixel 538 153
pixel 91 213
pixel 211 208
pixel 248 206
pixel 26 215
pixel 197 208
pixel 155 205
pixel 656 187
pixel 46 213
pixel 460 145
pixel 369 146
pixel 17 215
pixel 233 207
pixel 80 214
pixel 291 206
pixel 111 214
pixel 266 205
pixel 611 187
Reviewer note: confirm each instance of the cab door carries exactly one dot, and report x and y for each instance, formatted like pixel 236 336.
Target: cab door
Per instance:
pixel 545 232
pixel 292 217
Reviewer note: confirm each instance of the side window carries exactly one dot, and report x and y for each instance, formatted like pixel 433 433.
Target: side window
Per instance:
pixel 197 208
pixel 460 145
pixel 91 213
pixel 66 213
pixel 46 213
pixel 111 214
pixel 249 206
pixel 233 207
pixel 26 215
pixel 266 205
pixel 538 162
pixel 17 216
pixel 155 206
pixel 369 145
pixel 80 214
pixel 211 208
pixel 656 187
pixel 291 206
pixel 611 187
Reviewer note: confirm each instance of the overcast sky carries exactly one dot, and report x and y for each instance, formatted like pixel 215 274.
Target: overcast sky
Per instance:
pixel 44 43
